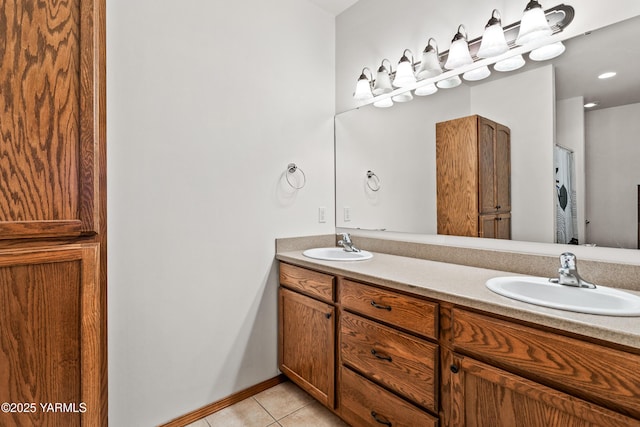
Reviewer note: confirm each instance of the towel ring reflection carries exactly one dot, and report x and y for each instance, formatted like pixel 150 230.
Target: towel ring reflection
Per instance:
pixel 291 170
pixel 373 182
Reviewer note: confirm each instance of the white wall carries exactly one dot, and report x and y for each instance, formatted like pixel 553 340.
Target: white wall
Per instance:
pixel 525 103
pixel 570 133
pixel 612 153
pixel 208 101
pixel 399 145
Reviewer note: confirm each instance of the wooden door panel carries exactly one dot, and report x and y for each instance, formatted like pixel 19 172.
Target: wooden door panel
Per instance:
pixel 49 336
pixel 487 202
pixel 48 105
pixel 503 168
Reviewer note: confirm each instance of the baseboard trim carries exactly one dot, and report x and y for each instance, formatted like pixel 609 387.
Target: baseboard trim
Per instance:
pixel 223 403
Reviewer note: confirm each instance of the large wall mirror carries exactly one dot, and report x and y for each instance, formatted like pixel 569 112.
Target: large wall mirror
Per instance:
pixel 385 158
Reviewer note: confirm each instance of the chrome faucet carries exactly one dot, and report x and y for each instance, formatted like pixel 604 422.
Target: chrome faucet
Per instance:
pixel 568 273
pixel 346 243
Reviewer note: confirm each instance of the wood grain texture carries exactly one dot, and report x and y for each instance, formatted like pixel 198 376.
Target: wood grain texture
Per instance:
pixel 366 404
pixel 596 373
pixel 402 363
pixel 318 285
pixel 49 334
pixel 483 395
pixel 473 168
pixel 402 311
pixel 50 121
pixel 306 344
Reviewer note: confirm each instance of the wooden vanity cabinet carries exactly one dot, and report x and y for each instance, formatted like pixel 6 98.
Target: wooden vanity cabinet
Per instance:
pixel 306 331
pixel 502 373
pixel 473 169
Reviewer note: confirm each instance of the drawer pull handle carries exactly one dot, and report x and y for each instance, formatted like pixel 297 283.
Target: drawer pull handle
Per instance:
pixel 381 356
pixel 380 420
pixel 381 307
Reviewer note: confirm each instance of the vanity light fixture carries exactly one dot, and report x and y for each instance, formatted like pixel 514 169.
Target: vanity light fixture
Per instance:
pixel 607 75
pixel 547 52
pixel 590 104
pixel 363 87
pixel 493 41
pixel 383 79
pixel 459 54
pixel 534 25
pixel 533 35
pixel 430 64
pixel 477 74
pixel 405 74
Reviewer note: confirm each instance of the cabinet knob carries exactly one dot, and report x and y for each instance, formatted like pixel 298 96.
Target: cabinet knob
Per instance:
pixel 454 369
pixel 498 207
pixel 328 315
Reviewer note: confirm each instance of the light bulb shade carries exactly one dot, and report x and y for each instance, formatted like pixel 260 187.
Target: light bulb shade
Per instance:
pixel 383 82
pixel 449 83
pixel 384 103
pixel 459 51
pixel 363 90
pixel 404 73
pixel 549 51
pixel 477 74
pixel 493 41
pixel 430 64
pixel 403 97
pixel 534 25
pixel 425 90
pixel 509 64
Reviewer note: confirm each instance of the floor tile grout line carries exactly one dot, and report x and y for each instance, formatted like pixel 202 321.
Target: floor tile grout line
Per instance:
pixel 265 409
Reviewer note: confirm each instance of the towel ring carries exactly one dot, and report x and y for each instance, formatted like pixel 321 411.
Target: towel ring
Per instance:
pixel 373 182
pixel 291 170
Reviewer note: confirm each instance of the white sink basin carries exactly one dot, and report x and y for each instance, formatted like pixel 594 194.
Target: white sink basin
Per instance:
pixel 336 254
pixel 540 291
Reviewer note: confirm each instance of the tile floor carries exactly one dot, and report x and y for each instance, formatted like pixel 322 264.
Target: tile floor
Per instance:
pixel 284 405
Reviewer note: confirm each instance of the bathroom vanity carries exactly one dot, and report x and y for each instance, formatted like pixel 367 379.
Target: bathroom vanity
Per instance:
pixel 401 341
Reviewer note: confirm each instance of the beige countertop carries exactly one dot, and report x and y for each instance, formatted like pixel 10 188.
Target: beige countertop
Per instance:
pixel 465 286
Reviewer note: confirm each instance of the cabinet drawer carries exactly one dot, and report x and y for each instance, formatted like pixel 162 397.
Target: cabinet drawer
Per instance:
pixel 309 282
pixel 401 362
pixel 410 313
pixel 365 404
pixel 600 374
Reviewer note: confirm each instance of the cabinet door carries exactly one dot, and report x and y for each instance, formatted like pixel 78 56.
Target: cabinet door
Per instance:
pixel 486 166
pixel 503 168
pixel 49 337
pixel 306 337
pixel 482 395
pixel 51 117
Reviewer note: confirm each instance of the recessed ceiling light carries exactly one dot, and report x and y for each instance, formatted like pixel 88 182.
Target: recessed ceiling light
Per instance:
pixel 607 75
pixel 590 104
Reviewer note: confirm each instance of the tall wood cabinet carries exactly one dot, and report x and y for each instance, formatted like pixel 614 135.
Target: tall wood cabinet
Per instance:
pixel 473 169
pixel 53 213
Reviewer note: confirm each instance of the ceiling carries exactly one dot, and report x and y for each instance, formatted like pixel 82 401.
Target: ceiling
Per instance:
pixel 334 7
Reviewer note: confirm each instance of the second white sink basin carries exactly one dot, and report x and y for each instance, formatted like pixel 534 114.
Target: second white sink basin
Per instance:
pixel 336 254
pixel 540 291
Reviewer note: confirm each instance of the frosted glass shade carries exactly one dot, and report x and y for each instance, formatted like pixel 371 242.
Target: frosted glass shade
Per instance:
pixel 403 97
pixel 430 64
pixel 458 55
pixel 533 26
pixel 363 90
pixel 404 74
pixel 449 83
pixel 383 82
pixel 549 51
pixel 425 90
pixel 383 103
pixel 509 64
pixel 493 42
pixel 477 74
